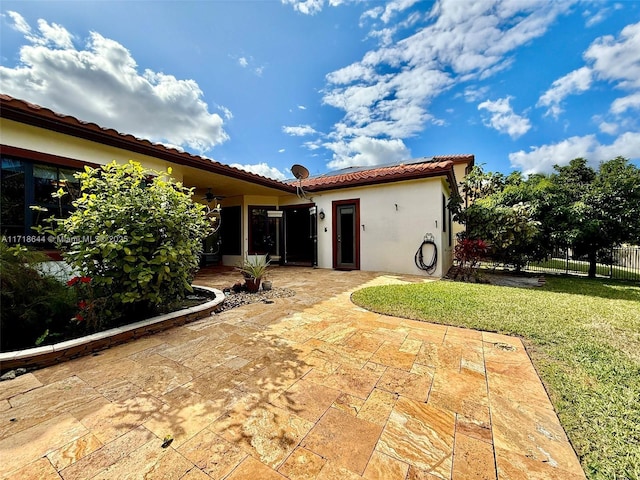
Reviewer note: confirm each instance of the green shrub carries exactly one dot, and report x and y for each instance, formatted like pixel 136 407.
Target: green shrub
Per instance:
pixel 36 308
pixel 136 234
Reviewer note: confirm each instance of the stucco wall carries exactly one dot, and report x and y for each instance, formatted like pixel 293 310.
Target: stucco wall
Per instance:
pixel 394 217
pixel 390 237
pixel 46 141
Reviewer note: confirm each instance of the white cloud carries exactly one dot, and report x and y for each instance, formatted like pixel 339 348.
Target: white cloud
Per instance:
pixel 282 150
pixel 608 128
pixel 385 35
pixel 626 145
pixel 314 145
pixel 226 112
pixel 352 73
pixel 366 151
pixel 610 59
pixel 504 119
pixel 249 63
pixel 19 23
pixel 394 7
pixel 473 93
pixel 262 169
pixel 543 158
pixel 301 107
pixel 102 83
pixel 299 131
pixel 621 105
pixel 618 60
pixel 387 93
pixel 595 18
pixel 52 35
pixel 372 13
pixel 311 7
pixel 572 83
pixel 308 7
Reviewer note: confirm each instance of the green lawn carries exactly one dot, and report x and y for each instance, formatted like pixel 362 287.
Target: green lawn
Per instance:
pixel 583 336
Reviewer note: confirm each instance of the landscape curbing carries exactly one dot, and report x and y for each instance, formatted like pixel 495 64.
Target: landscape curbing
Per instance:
pixel 45 356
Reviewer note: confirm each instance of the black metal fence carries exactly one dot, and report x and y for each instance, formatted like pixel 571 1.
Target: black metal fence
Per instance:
pixel 621 263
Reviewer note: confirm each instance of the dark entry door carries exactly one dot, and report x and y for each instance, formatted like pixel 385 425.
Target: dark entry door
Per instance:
pixel 346 240
pixel 299 235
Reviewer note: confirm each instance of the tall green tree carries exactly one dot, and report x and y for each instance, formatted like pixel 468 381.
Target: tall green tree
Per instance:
pixel 588 210
pixel 591 210
pixel 500 213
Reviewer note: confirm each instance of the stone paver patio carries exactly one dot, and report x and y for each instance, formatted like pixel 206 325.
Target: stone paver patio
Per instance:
pixel 308 387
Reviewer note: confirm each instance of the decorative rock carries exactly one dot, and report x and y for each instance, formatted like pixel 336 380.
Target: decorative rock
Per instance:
pixel 237 299
pixel 10 375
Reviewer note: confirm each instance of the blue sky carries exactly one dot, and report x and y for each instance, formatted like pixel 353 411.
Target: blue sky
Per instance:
pixel 522 84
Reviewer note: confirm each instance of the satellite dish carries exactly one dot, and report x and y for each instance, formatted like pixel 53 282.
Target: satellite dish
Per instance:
pixel 299 172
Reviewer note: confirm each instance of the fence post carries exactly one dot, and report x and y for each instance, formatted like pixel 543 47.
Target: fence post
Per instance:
pixel 611 264
pixel 566 254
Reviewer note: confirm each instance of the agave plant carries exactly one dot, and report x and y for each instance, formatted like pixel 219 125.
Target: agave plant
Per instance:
pixel 254 267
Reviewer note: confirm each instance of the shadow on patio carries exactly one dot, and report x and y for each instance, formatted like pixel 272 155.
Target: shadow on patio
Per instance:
pixel 309 386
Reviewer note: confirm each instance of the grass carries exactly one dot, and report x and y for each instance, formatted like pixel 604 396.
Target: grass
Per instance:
pixel 583 336
pixel 559 264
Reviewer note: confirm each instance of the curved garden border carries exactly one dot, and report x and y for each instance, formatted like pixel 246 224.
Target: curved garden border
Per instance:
pixel 77 347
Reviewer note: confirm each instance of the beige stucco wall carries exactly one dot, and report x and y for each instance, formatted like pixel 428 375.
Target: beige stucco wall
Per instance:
pixel 390 237
pixel 388 241
pixel 38 139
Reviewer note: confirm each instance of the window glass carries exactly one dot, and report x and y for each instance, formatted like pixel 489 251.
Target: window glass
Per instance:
pixel 70 184
pixel 444 213
pixel 24 184
pixel 12 188
pixel 45 182
pixel 262 234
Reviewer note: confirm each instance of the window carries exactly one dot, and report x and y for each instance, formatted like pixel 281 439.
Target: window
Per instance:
pixel 444 213
pixel 450 229
pixel 262 231
pixel 25 184
pixel 12 193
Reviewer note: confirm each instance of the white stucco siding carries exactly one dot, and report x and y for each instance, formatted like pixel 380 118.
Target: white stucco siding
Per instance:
pixel 390 235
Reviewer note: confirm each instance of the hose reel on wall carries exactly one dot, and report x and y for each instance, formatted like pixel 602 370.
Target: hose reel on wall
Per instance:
pixel 430 266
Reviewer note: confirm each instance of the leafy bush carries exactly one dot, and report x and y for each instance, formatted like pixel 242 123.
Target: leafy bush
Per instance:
pixel 35 307
pixel 468 254
pixel 136 234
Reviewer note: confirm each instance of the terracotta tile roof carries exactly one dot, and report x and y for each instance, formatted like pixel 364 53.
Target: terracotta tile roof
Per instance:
pixel 31 114
pixel 414 169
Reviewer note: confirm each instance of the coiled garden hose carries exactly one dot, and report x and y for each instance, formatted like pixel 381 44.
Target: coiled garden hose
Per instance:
pixel 419 256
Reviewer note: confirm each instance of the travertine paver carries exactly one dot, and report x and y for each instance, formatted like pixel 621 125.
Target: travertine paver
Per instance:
pixel 309 387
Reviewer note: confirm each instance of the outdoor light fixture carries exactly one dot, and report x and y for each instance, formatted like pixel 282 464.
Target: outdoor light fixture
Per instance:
pixel 321 214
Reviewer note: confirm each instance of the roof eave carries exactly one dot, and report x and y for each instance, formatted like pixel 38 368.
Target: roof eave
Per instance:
pixel 382 180
pixel 20 111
